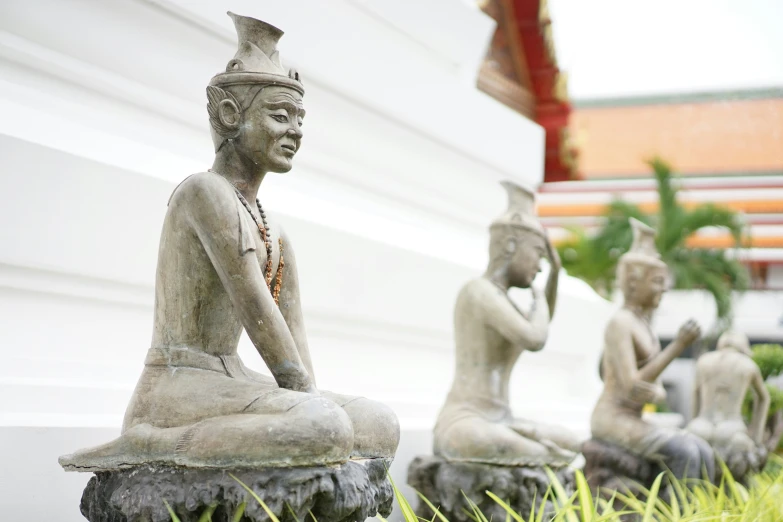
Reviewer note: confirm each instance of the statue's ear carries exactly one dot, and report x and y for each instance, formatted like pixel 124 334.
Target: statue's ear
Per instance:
pixel 224 112
pixel 511 245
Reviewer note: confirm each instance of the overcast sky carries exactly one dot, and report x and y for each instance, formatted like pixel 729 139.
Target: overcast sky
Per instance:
pixel 614 48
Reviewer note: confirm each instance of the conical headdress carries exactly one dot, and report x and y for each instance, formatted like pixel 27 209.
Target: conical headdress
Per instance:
pixel 257 60
pixel 643 239
pixel 643 249
pixel 521 211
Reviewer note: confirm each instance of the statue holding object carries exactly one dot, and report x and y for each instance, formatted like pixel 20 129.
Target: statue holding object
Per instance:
pixel 478 443
pixel 625 448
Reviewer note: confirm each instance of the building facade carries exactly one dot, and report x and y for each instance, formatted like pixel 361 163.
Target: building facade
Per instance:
pixel 726 148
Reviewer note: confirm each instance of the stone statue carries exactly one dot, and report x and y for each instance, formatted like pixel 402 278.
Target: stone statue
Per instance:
pixel 630 367
pixel 490 332
pixel 723 378
pixel 225 265
pixel 476 424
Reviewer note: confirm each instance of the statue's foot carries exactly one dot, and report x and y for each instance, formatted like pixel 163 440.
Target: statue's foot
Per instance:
pixel 554 449
pixel 473 439
pixel 558 439
pixel 376 430
pixel 314 432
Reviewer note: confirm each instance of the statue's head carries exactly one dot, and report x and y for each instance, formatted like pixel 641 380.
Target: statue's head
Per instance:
pixel 734 340
pixel 641 274
pixel 256 105
pixel 517 239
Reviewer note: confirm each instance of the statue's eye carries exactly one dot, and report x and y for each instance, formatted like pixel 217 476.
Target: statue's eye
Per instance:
pixel 280 117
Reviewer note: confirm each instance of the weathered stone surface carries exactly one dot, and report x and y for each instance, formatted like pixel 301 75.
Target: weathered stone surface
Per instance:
pixel 611 467
pixel 723 379
pixel 476 423
pixel 631 366
pixel 443 483
pixel 351 492
pixel 224 267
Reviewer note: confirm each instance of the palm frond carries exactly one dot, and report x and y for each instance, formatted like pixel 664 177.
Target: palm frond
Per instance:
pixel 711 215
pixel 669 209
pixel 711 270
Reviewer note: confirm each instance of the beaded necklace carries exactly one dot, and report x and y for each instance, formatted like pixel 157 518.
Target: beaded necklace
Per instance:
pixel 263 229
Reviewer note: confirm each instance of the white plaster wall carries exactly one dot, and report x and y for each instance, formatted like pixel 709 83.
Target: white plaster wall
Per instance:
pixel 103 112
pixel 757 313
pixel 775 276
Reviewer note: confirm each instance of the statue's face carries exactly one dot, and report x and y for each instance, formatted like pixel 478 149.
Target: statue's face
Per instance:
pixel 271 130
pixel 526 260
pixel 650 287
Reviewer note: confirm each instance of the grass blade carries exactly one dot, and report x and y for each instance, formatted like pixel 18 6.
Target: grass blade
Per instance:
pixel 509 510
pixel 174 517
pixel 239 512
pixel 261 503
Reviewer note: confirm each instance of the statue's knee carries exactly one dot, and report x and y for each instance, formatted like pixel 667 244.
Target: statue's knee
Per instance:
pixel 376 430
pixel 327 421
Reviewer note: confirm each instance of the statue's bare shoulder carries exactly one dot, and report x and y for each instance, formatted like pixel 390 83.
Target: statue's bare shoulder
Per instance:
pixel 620 324
pixel 480 293
pixel 202 192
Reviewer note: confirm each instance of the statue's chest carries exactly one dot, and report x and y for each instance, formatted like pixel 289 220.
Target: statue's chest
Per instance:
pixel 646 343
pixel 265 246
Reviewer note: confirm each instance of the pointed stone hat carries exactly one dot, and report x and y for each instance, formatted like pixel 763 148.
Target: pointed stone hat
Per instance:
pixel 521 211
pixel 643 249
pixel 257 60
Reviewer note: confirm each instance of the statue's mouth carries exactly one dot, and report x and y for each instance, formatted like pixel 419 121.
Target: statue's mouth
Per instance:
pixel 291 148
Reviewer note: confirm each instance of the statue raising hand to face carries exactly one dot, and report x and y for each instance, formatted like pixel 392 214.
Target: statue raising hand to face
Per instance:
pixel 476 423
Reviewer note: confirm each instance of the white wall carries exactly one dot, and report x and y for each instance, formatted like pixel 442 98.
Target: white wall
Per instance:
pixel 757 313
pixel 103 112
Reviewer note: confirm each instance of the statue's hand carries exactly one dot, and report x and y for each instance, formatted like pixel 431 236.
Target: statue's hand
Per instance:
pixel 643 392
pixel 688 333
pixel 311 389
pixel 554 257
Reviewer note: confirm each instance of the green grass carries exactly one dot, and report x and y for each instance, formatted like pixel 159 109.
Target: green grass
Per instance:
pixel 690 501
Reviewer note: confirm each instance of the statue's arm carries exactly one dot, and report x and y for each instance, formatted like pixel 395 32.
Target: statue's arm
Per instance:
pixel 554 274
pixel 696 394
pixel 688 333
pixel 760 407
pixel 213 214
pixel 619 357
pixel 507 320
pixel 291 304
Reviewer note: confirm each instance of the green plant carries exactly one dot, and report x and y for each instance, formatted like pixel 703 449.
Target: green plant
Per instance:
pixel 593 257
pixel 769 358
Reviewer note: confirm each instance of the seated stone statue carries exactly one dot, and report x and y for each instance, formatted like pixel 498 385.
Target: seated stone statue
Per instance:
pixel 476 423
pixel 723 378
pixel 631 364
pixel 224 265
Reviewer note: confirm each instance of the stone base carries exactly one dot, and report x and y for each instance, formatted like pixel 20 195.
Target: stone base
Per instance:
pixel 610 467
pixel 351 492
pixel 741 464
pixel 443 484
